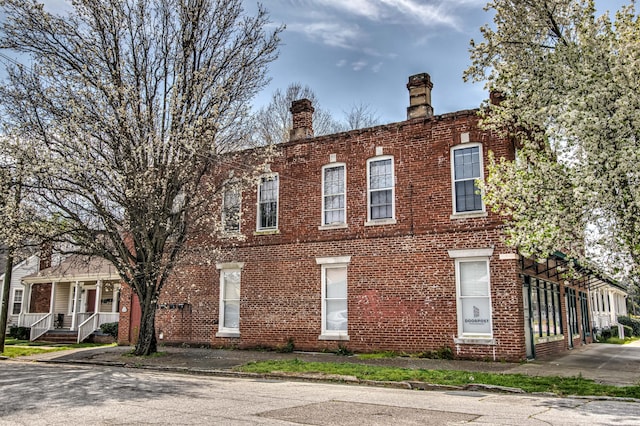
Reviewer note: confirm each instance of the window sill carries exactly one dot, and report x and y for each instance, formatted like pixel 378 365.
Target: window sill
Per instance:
pixel 333 226
pixel 228 334
pixel 548 339
pixel 474 341
pixel 267 232
pixel 376 222
pixel 343 337
pixel 227 235
pixel 469 215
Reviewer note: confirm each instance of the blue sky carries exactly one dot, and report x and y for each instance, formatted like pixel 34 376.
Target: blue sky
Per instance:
pixel 363 51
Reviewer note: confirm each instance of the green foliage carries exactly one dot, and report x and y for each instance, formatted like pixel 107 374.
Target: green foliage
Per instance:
pixel 628 331
pixel 110 328
pixel 343 350
pixel 556 385
pixel 444 352
pixel 570 103
pixel 20 333
pixel 379 355
pixel 287 347
pixel 631 322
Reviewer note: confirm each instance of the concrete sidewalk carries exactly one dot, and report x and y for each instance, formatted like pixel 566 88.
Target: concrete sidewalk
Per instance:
pixel 608 364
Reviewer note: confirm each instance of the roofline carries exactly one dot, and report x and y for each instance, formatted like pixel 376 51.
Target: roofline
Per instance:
pixel 72 278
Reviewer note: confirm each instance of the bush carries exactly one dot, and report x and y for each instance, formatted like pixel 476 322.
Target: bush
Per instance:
pixel 444 352
pixel 20 333
pixel 605 333
pixel 628 331
pixel 110 328
pixel 631 322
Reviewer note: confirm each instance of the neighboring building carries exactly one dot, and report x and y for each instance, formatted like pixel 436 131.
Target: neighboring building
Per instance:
pixel 608 302
pixel 77 296
pixel 373 239
pixel 16 290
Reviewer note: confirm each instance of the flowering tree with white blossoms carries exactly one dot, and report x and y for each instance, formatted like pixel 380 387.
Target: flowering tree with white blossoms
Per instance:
pixel 570 87
pixel 130 104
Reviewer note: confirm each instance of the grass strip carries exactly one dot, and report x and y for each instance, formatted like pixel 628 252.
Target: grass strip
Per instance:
pixel 558 385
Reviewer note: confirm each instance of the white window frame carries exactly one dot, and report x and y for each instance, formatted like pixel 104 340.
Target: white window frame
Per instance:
pixel 382 221
pixel 229 187
pixel 470 213
pixel 472 255
pixel 222 269
pixel 341 262
pixel 13 300
pixel 333 225
pixel 274 228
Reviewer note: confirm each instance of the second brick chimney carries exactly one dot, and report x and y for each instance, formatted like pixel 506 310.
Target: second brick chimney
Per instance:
pixel 419 86
pixel 302 111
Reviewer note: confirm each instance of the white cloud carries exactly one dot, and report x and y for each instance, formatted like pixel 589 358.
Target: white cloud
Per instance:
pixel 376 68
pixel 358 65
pixel 432 13
pixel 329 33
pixel 341 63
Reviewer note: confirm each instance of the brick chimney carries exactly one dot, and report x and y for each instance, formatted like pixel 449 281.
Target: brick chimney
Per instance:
pixel 302 111
pixel 419 86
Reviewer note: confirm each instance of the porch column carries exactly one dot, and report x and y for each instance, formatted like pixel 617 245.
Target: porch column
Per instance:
pixel 96 308
pixel 76 304
pixel 612 308
pixel 114 298
pixel 52 304
pixel 26 299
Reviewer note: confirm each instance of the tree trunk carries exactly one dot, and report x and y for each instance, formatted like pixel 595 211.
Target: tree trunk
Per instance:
pixel 147 343
pixel 4 310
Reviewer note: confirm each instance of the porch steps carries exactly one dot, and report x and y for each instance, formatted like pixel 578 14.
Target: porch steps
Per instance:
pixel 59 336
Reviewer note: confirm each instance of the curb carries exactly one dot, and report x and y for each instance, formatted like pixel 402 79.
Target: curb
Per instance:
pixel 349 380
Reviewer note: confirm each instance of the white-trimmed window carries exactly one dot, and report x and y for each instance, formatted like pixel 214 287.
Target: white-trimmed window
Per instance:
pixel 473 292
pixel 380 190
pixel 334 191
pixel 268 203
pixel 16 304
pixel 466 167
pixel 335 318
pixel 229 311
pixel 231 202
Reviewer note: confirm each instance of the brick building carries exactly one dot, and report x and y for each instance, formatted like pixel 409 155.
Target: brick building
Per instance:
pixel 372 239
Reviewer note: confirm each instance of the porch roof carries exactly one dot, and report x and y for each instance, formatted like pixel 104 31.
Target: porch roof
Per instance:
pixel 75 268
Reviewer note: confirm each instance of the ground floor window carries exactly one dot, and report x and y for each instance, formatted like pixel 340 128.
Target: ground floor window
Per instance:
pixel 545 308
pixel 572 313
pixel 17 301
pixel 335 318
pixel 229 310
pixel 474 297
pixel 584 308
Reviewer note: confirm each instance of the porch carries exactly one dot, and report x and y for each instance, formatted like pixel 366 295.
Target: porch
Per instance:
pixel 75 297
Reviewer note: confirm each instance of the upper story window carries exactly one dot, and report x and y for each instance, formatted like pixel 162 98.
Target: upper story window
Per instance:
pixel 381 191
pixel 231 202
pixel 466 168
pixel 268 203
pixel 334 194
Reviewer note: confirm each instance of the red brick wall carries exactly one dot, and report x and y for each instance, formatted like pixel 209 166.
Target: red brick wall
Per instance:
pixel 40 298
pixel 401 280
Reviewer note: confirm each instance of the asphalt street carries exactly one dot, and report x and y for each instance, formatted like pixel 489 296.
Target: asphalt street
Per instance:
pixel 64 394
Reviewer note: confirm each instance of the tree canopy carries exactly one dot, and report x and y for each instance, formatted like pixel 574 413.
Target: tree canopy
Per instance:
pixel 568 81
pixel 127 106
